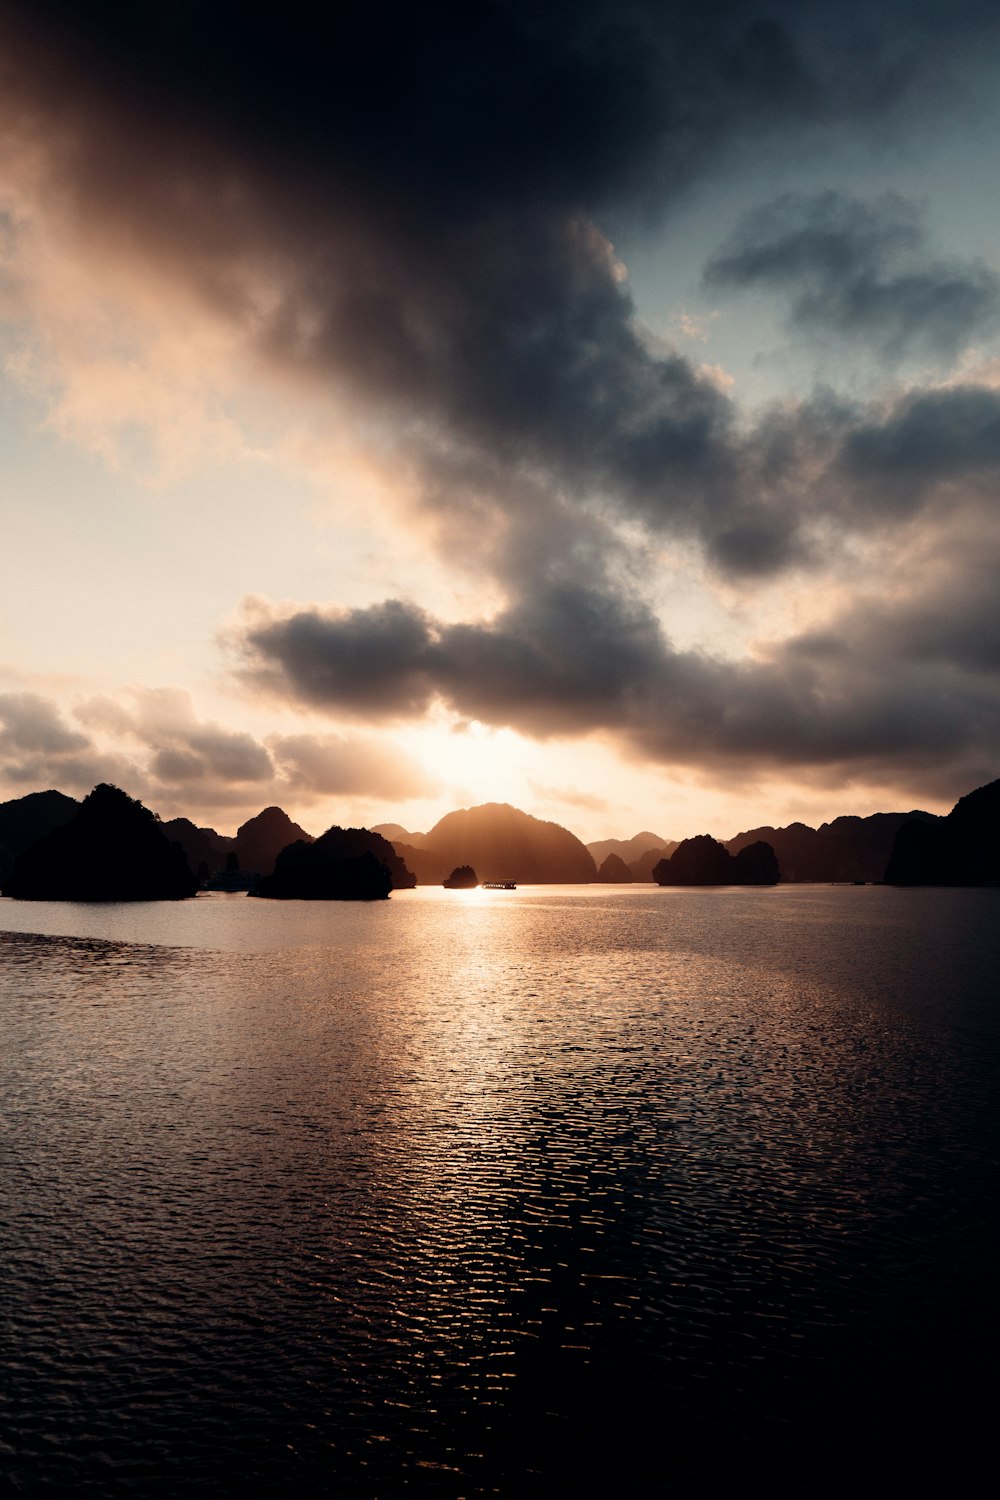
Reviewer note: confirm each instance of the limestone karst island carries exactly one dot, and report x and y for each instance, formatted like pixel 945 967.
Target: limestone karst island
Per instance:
pixel 109 847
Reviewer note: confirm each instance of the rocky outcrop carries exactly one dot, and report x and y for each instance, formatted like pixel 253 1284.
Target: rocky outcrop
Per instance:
pixel 463 878
pixel 25 820
pixel 260 840
pixel 702 860
pixel 112 849
pixel 846 849
pixel 206 850
pixel 961 849
pixel 503 843
pixel 343 864
pixel 614 870
pixel 756 864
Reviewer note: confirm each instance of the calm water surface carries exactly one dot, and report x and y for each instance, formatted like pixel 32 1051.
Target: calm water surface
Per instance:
pixel 473 1193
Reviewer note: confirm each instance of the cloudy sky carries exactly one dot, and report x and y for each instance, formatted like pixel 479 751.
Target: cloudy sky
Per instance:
pixel 593 406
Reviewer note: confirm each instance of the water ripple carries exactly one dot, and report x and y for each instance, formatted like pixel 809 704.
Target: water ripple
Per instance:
pixel 582 1190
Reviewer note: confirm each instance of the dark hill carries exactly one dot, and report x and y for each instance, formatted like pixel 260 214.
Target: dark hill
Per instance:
pixel 756 864
pixel 642 868
pixel 614 869
pixel 627 850
pixel 27 819
pixel 464 878
pixel 961 849
pixel 206 850
pixel 702 860
pixel 397 834
pixel 260 840
pixel 428 868
pixel 846 849
pixel 112 849
pixel 343 864
pixel 503 843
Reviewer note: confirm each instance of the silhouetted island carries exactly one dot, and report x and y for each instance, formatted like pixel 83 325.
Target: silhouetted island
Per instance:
pixel 848 848
pixel 25 820
pixel 630 850
pixel 756 864
pixel 960 849
pixel 206 850
pixel 502 843
pixel 462 878
pixel 223 863
pixel 343 864
pixel 260 840
pixel 702 860
pixel 111 849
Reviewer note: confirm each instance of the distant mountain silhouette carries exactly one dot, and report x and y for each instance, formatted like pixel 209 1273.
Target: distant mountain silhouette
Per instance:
pixel 428 868
pixel 628 850
pixel 614 868
pixel 27 819
pixel 960 849
pixel 396 833
pixel 463 878
pixel 702 860
pixel 112 849
pixel 260 840
pixel 503 843
pixel 847 849
pixel 343 864
pixel 642 868
pixel 206 850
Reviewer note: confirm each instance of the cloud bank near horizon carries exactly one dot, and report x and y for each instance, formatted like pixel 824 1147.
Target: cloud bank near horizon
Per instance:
pixel 153 744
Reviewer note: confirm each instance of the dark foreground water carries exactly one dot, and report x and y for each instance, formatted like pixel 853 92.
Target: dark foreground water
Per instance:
pixel 491 1193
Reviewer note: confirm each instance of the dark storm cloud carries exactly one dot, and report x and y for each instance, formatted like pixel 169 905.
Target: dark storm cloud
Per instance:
pixel 883 686
pixel 929 438
pixel 401 203
pixel 547 665
pixel 859 270
pixel 827 469
pixel 500 102
pixel 951 624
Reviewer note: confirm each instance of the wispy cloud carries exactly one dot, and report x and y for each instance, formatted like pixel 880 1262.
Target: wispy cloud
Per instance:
pixel 861 271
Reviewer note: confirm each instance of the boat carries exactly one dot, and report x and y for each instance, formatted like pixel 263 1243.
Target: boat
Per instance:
pixel 498 885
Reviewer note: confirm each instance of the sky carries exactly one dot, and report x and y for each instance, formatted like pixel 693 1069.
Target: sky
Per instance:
pixel 592 406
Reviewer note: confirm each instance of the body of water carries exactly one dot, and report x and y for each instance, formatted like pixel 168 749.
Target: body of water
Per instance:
pixel 499 1193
